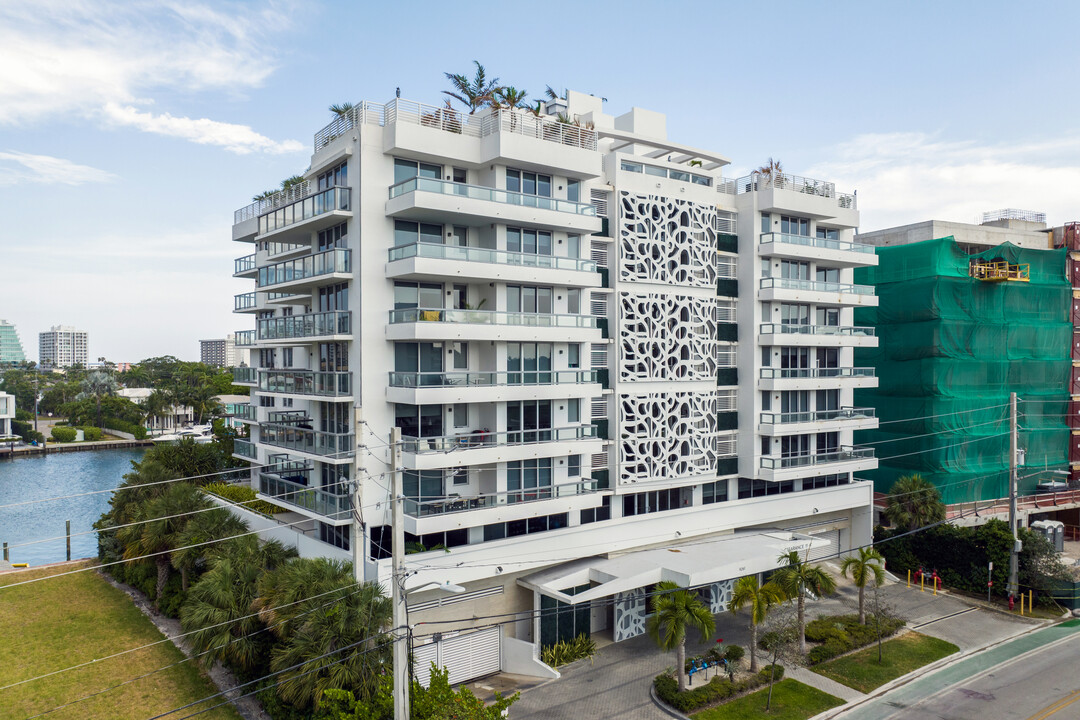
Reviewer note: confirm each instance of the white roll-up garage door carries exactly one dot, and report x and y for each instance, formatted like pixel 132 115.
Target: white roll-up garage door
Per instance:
pixel 823 550
pixel 466 656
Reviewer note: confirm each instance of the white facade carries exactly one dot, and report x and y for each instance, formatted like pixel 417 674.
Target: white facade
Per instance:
pixel 576 367
pixel 7 414
pixel 63 346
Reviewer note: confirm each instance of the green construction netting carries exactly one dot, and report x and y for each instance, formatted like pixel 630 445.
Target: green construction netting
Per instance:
pixel 951 349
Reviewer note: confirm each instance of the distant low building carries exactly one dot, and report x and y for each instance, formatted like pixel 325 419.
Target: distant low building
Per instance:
pixel 7 414
pixel 11 349
pixel 176 416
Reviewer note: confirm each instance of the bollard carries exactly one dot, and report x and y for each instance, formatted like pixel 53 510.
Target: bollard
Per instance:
pixel 909 577
pixel 922 583
pixel 1021 603
pixel 935 584
pixel 69 540
pixel 1030 606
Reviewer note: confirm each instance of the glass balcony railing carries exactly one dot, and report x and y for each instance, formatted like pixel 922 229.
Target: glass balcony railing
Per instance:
pixel 817 242
pixel 245 375
pixel 306 382
pixel 245 449
pixel 244 301
pixel 324 263
pixel 244 338
pixel 242 411
pixel 797 329
pixel 817 415
pixel 313 442
pixel 495 257
pixel 471 440
pixel 798 373
pixel 479 192
pixel 305 326
pixel 244 264
pixel 324 503
pixel 816 286
pixel 455 504
pixel 491 317
pixel 796 461
pixel 335 198
pixel 491 379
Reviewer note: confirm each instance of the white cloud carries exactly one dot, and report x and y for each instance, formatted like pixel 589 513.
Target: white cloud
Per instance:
pixel 17 168
pixel 904 178
pixel 240 139
pixel 68 59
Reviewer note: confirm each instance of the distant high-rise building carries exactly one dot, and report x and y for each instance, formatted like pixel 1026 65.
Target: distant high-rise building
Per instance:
pixel 11 350
pixel 218 353
pixel 62 346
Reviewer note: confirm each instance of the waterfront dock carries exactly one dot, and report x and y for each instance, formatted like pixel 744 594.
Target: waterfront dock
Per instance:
pixel 7 451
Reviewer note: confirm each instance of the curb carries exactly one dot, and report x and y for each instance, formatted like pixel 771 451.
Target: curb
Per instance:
pixel 670 711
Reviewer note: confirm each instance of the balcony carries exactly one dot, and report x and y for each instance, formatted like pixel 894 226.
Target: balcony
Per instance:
pixel 305 272
pixel 816 292
pixel 456 504
pixel 314 212
pixel 329 447
pixel 323 505
pixel 307 383
pixel 245 449
pixel 845 459
pixel 243 412
pixel 789 334
pixel 244 338
pixel 244 302
pixel 816 378
pixel 445 324
pixel 456 387
pixel 244 266
pixel 245 375
pixel 798 423
pixel 801 247
pixel 443 201
pixel 800 195
pixel 333 325
pixel 420 260
pixel 478 448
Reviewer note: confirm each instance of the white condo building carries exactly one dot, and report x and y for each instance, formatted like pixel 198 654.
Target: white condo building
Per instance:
pixel 7 414
pixel 63 346
pixel 597 349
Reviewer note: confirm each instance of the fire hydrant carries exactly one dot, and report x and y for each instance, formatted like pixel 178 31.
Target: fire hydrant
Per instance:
pixel 1012 602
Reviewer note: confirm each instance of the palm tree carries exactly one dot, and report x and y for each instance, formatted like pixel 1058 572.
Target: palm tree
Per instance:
pixel 676 610
pixel 914 502
pixel 157 404
pixel 552 95
pixel 341 109
pixel 868 564
pixel 281 592
pixel 98 385
pixel 771 171
pixel 206 527
pixel 473 94
pixel 511 97
pixel 760 599
pixel 796 577
pixel 292 181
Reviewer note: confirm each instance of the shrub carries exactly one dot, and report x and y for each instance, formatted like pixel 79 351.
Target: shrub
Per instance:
pixel 717 689
pixel 734 653
pixel 91 433
pixel 841 633
pixel 26 431
pixel 138 431
pixel 767 640
pixel 567 651
pixel 64 434
pixel 242 495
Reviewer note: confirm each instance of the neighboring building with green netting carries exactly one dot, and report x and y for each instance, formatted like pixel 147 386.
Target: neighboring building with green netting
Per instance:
pixel 951 349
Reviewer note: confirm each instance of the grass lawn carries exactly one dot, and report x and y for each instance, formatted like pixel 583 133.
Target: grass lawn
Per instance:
pixel 900 656
pixel 56 623
pixel 791 700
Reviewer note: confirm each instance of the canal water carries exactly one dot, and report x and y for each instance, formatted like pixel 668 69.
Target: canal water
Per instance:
pixel 61 474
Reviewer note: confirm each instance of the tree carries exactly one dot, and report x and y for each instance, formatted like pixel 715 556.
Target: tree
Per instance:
pixel 866 566
pixel 771 172
pixel 437 701
pixel 157 405
pixel 341 109
pixel 210 526
pixel 796 577
pixel 676 610
pixel 914 502
pixel 511 97
pixel 96 386
pixel 778 641
pixel 760 599
pixel 473 94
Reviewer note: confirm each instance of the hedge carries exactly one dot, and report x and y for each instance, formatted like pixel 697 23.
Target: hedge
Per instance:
pixel 123 426
pixel 91 433
pixel 242 495
pixel 717 689
pixel 64 434
pixel 26 431
pixel 842 633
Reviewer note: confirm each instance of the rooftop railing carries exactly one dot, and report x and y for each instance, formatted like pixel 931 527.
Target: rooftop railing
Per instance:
pixel 805 373
pixel 491 379
pixel 491 317
pixel 817 242
pixel 472 440
pixel 794 183
pixel 784 418
pixel 335 198
pixel 483 255
pixel 304 326
pixel 816 286
pixel 797 329
pixel 309 266
pixel 271 201
pixel 455 504
pixel 480 192
pixel 838 456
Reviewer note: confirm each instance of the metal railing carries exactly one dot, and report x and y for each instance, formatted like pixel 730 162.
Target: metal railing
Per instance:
pixel 768 418
pixel 799 329
pixel 244 301
pixel 481 192
pixel 798 373
pixel 245 338
pixel 277 199
pixel 242 411
pixel 491 317
pixel 794 461
pixel 324 263
pixel 244 264
pixel 305 326
pixel 727 357
pixel 491 379
pixel 335 198
pixel 483 255
pixel 301 439
pixel 454 504
pixel 794 183
pixel 473 440
pixel 306 382
pixel 816 286
pixel 805 241
pixel 318 501
pixel 726 311
pixel 726 269
pixel 281 248
pixel 245 449
pixel 245 375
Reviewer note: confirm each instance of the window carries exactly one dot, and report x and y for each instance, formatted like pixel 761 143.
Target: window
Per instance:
pixel 267 357
pixel 828 442
pixel 573 466
pixel 766 268
pixel 656 501
pixel 714 492
pixel 795 226
pixel 573 410
pixel 528 363
pixel 831 275
pixel 528 299
pixel 794 446
pixel 461 175
pixel 573 301
pixel 459 476
pixel 333 297
pixel 408 233
pixel 338 536
pixel 336 177
pixel 573 246
pixel 334 237
pixel 419 358
pixel 766 446
pixel 631 167
pixel 528 480
pixel 795 401
pixel 286 357
pixel 573 355
pixel 335 479
pixel 459 297
pixel 528 183
pixel 333 357
pixel 406 169
pixel 794 357
pixel 413 295
pixel 544 523
pixel 598 514
pixel 759 488
pixel 419 420
pixel 828 316
pixel 459 237
pixel 765 226
pixel 794 270
pixel 655 171
pixel 766 401
pixel 822 481
pixel 461 355
pixel 828 399
pixel 266 401
pixel 828 357
pixel 794 314
pixel 530 242
pixel 528 421
pixel 422 484
pixel 573 190
pixel 430 541
pixel 827 233
pixel 461 415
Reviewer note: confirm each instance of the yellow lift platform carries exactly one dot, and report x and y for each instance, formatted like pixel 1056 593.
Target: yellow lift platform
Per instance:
pixel 999 270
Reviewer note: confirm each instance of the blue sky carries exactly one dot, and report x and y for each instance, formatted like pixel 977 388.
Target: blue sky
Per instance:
pixel 131 130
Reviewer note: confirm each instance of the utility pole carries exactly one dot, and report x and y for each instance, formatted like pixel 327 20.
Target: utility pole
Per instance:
pixel 397 554
pixel 1014 555
pixel 357 516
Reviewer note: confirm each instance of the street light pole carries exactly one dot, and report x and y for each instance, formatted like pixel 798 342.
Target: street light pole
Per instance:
pixel 1014 555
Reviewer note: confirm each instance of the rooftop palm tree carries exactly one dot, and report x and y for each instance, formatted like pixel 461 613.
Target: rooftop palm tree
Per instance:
pixel 796 577
pixel 771 172
pixel 760 599
pixel 511 97
pixel 866 566
pixel 473 94
pixel 676 610
pixel 341 109
pixel 98 385
pixel 913 502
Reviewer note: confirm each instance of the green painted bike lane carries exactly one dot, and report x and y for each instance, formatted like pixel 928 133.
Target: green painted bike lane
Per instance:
pixel 895 701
